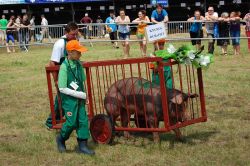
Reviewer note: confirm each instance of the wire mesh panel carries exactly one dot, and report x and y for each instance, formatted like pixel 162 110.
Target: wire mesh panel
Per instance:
pixel 176 27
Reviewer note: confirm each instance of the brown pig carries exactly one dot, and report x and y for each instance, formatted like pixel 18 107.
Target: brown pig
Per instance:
pixel 140 97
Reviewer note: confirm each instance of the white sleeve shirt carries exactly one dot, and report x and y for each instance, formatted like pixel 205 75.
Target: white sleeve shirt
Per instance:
pixel 44 22
pixel 58 50
pixel 215 14
pixel 210 25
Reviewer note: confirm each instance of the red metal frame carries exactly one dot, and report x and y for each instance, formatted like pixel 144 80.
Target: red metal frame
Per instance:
pixel 49 71
pixel 164 96
pixel 114 64
pixel 51 100
pixel 202 95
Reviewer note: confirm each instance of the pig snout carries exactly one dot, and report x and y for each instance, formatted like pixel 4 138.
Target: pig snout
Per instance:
pixel 179 105
pixel 178 112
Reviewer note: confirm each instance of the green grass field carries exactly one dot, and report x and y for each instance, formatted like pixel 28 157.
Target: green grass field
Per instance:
pixel 223 140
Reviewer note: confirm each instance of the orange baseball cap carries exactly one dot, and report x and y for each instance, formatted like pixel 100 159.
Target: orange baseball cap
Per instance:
pixel 75 45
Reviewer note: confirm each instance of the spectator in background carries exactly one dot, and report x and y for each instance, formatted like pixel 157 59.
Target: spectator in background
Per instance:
pixel 159 15
pixel 18 19
pixel 99 27
pixel 247 19
pixel 86 28
pixel 124 31
pixel 24 33
pixel 45 28
pixel 3 27
pixel 235 31
pixel 142 22
pixel 210 16
pixel 196 28
pixel 18 25
pixel 223 25
pixel 111 28
pixel 11 28
pixel 32 28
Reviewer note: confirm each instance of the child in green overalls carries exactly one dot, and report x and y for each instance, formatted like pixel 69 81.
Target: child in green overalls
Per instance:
pixel 166 69
pixel 70 83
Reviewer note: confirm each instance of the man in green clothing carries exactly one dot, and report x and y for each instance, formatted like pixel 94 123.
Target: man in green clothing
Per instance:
pixel 70 83
pixel 166 69
pixel 3 27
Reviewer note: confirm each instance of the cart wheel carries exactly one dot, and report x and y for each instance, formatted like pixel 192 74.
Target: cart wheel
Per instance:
pixel 101 129
pixel 141 123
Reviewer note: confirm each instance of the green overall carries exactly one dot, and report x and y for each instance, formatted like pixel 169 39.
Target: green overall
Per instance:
pixel 166 72
pixel 48 122
pixel 74 108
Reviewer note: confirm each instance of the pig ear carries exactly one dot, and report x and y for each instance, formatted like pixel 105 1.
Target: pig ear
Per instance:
pixel 178 99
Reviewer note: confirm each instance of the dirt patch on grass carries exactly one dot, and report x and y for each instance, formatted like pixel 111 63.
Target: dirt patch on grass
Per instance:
pixel 10 138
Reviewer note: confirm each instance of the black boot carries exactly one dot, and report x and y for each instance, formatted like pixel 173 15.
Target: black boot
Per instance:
pixel 60 143
pixel 83 148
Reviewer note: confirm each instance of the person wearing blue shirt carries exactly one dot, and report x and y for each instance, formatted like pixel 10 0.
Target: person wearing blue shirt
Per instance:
pixel 196 29
pixel 159 15
pixel 111 28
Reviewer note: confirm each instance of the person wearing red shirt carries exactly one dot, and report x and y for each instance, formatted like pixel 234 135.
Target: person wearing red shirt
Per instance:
pixel 86 28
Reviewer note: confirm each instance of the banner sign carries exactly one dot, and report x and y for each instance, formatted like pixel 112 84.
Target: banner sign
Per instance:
pixel 3 2
pixel 162 2
pixel 156 32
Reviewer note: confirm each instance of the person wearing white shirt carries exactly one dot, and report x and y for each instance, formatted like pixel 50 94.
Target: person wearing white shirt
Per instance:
pixel 32 28
pixel 124 31
pixel 212 17
pixel 45 28
pixel 18 25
